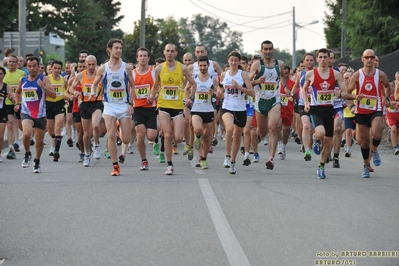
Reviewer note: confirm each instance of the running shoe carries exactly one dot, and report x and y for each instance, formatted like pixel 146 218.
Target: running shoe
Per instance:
pixel 70 142
pixel 320 173
pixel 308 155
pixel 97 153
pixel 26 161
pixel 130 149
pixel 376 158
pixel 144 166
pixel 186 149
pixel 210 150
pixel 36 167
pixel 1 158
pixel 11 154
pixel 204 164
pixel 16 147
pixel 227 162
pixel 86 161
pixel 348 152
pixel 279 148
pixel 256 158
pixel 197 143
pixel 246 161
pixel 283 153
pixel 155 149
pixel 214 142
pixel 32 142
pixel 122 158
pixel 270 164
pixel 162 157
pixel 265 141
pixel 118 141
pixel 51 152
pixel 198 163
pixel 107 155
pixel 366 171
pixel 336 163
pixel 56 156
pixel 370 168
pixel 81 157
pixel 316 147
pixel 396 150
pixel 233 169
pixel 116 170
pixel 174 150
pixel 190 154
pixel 169 170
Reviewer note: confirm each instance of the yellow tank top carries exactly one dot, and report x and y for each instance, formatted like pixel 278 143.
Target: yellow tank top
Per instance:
pixel 59 87
pixel 171 94
pixel 12 80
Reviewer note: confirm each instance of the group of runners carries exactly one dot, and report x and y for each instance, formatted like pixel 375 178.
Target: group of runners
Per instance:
pixel 172 101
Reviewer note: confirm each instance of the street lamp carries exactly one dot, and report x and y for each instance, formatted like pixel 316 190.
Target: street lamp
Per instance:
pixel 294 29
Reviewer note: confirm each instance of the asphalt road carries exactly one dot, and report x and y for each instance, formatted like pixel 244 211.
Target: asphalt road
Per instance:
pixel 72 215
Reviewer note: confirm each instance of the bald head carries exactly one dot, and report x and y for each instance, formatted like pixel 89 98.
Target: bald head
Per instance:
pixel 91 58
pixel 188 59
pixel 91 63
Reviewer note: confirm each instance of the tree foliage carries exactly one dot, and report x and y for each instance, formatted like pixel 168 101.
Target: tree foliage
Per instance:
pixel 370 24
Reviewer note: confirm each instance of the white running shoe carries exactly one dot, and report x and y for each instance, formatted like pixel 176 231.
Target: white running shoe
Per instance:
pixel 86 161
pixel 169 170
pixel 97 153
pixel 227 162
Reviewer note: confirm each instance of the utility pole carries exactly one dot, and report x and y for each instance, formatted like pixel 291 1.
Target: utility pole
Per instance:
pixel 142 23
pixel 22 27
pixel 343 28
pixel 293 39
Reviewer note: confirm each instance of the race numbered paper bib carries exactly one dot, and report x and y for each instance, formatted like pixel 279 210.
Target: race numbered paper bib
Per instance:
pixel 87 90
pixel 368 102
pixel 231 90
pixel 268 88
pixel 392 110
pixel 142 91
pixel 59 89
pixel 284 99
pixel 202 96
pixel 325 97
pixel 171 93
pixel 1 103
pixel 30 94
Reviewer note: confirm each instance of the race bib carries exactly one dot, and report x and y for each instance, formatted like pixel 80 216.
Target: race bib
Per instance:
pixel 142 91
pixel 368 102
pixel 30 94
pixel 231 90
pixel 202 96
pixel 171 93
pixel 269 86
pixel 59 89
pixel 325 97
pixel 1 103
pixel 284 99
pixel 87 90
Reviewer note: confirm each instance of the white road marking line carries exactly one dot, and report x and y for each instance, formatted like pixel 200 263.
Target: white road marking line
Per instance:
pixel 232 248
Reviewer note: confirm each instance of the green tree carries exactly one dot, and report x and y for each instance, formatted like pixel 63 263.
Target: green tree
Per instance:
pixel 333 22
pixel 373 24
pixel 98 27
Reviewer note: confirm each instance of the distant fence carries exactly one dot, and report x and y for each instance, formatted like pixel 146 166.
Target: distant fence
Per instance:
pixel 388 63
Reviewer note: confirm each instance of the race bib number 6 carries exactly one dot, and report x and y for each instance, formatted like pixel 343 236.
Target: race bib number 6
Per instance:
pixel 368 102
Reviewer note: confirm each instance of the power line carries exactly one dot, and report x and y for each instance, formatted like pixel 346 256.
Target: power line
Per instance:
pixel 241 15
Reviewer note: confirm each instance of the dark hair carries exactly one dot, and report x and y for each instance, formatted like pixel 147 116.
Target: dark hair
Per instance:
pixel 111 42
pixel 287 68
pixel 300 62
pixel 3 69
pixel 310 54
pixel 33 58
pixel 56 61
pixel 324 51
pixel 244 58
pixel 29 55
pixel 203 59
pixel 83 52
pixel 82 61
pixel 8 51
pixel 266 42
pixel 255 57
pixel 160 60
pixel 143 49
pixel 234 53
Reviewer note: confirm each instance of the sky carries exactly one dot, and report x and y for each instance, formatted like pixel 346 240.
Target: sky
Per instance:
pixel 258 20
